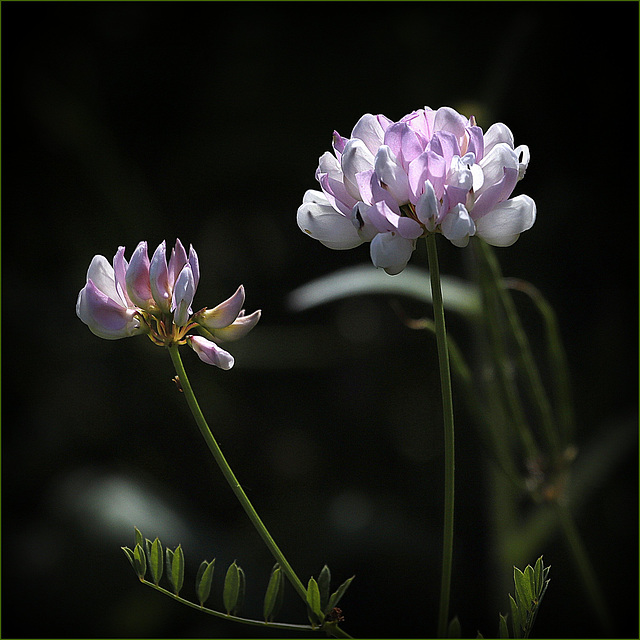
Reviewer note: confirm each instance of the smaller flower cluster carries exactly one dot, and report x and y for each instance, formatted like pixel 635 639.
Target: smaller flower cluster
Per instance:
pixel 154 296
pixel 391 183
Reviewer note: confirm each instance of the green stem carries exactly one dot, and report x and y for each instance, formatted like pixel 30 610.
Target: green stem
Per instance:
pixel 491 299
pixel 525 356
pixel 557 358
pixel 230 476
pixel 225 616
pixel 449 448
pixel 584 566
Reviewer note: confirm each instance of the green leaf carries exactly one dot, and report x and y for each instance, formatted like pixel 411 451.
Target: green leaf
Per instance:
pixel 313 603
pixel 129 554
pixel 241 592
pixel 271 596
pixel 324 583
pixel 503 629
pixel 336 596
pixel 169 565
pixel 231 588
pixel 458 295
pixel 156 561
pixel 139 561
pixel 538 571
pixel 204 578
pixel 177 570
pixel 139 537
pixel 455 630
pixel 524 593
pixel 515 618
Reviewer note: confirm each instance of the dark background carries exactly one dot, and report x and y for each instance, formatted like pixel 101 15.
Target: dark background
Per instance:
pixel 204 121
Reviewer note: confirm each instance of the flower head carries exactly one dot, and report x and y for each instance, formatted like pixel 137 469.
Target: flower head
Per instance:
pixel 431 172
pixel 155 297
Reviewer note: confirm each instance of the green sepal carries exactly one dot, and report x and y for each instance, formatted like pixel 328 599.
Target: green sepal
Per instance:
pixel 129 554
pixel 455 630
pixel 231 588
pixel 156 561
pixel 272 594
pixel 503 629
pixel 324 584
pixel 139 561
pixel 204 578
pixel 314 610
pixel 336 596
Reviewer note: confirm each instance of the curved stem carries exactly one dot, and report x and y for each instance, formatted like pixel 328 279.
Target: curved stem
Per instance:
pixel 584 566
pixel 230 476
pixel 226 616
pixel 449 448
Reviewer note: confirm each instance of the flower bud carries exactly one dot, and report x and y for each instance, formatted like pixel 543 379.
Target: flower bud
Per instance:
pixel 210 353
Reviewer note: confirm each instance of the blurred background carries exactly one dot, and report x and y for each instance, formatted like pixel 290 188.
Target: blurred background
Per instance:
pixel 204 121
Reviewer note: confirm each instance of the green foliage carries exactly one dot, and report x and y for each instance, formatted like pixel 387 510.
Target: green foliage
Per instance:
pixel 324 585
pixel 459 295
pixel 316 616
pixel 530 587
pixel 454 631
pixel 204 578
pixel 139 561
pixel 175 568
pixel 231 590
pixel 336 596
pixel 156 560
pixel 275 593
pixel 148 555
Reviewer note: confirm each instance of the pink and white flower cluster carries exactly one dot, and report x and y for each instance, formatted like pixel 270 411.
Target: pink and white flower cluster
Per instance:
pixel 124 299
pixel 391 183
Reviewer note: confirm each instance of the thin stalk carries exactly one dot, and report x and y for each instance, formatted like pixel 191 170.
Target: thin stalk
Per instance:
pixel 585 568
pixel 491 299
pixel 230 476
pixel 557 358
pixel 527 361
pixel 227 616
pixel 449 443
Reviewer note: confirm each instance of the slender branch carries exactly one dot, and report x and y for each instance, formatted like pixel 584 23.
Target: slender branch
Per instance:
pixel 230 476
pixel 500 357
pixel 449 444
pixel 583 564
pixel 527 362
pixel 225 616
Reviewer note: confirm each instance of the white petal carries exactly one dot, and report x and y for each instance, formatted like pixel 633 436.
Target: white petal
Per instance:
pixel 355 159
pixel 392 175
pixel 495 134
pixel 370 131
pixel 494 163
pixel 427 206
pixel 522 152
pixel 103 276
pixel 457 226
pixel 506 221
pixel 324 223
pixel 391 252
